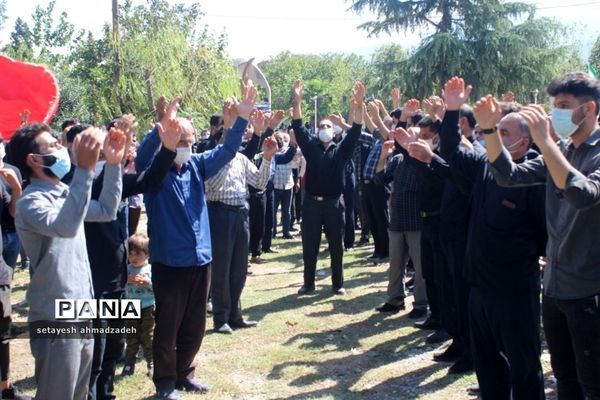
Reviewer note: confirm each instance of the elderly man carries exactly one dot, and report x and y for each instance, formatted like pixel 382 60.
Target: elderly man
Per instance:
pixel 180 248
pixel 226 195
pixel 570 170
pixel 323 206
pixel 506 235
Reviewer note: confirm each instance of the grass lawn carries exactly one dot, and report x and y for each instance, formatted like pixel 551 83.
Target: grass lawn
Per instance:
pixel 315 347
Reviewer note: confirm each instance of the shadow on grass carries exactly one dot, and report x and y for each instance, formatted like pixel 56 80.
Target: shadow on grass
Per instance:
pixel 26 383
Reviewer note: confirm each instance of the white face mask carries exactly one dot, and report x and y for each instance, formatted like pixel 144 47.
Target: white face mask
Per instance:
pixel 326 135
pixel 183 155
pixel 514 145
pixel 562 121
pixel 2 151
pixel 432 146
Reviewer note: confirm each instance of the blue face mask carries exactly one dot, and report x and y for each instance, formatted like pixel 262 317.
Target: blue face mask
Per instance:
pixel 62 163
pixel 562 122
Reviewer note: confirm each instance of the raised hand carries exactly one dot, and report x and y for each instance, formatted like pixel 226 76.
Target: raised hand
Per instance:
pixel 404 137
pixel 88 145
pixel 275 119
pixel 161 107
pixel 373 110
pixel 11 177
pixel 269 148
pixel 421 151
pixel 537 120
pixel 509 97
pixel 24 116
pixel 298 91
pixel 487 112
pixel 435 107
pixel 258 121
pixel 337 119
pixel 456 93
pixel 387 149
pixel 169 111
pixel 245 107
pixel 410 109
pixel 169 133
pixel 396 97
pixel 114 146
pixel 359 92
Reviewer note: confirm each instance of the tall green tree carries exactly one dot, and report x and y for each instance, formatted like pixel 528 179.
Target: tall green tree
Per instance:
pixel 594 58
pixel 481 40
pixel 2 13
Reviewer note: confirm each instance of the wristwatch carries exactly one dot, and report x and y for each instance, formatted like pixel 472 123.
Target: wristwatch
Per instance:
pixel 489 131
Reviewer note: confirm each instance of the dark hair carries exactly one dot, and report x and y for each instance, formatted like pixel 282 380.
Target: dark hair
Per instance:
pixel 396 113
pixel 139 242
pixel 416 118
pixel 22 144
pixel 427 122
pixel 68 122
pixel 76 130
pixel 579 84
pixel 467 112
pixel 509 107
pixel 216 120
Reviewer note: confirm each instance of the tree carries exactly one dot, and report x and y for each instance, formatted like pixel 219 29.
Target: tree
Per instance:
pixel 386 71
pixel 2 13
pixel 477 39
pixel 595 55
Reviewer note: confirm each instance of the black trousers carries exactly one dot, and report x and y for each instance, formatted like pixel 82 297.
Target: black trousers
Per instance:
pixel 181 294
pixel 376 198
pixel 317 215
pixel 360 212
pixel 455 312
pixel 349 214
pixel 506 345
pixel 432 266
pixel 572 330
pixel 258 204
pixel 269 219
pixel 107 351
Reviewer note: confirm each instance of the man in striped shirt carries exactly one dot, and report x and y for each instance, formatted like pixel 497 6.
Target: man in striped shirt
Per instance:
pixel 226 195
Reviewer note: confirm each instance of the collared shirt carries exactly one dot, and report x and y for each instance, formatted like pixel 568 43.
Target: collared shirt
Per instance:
pixel 325 168
pixel 405 209
pixel 283 179
pixel 49 221
pixel 572 216
pixel 371 164
pixel 229 184
pixel 361 151
pixel 178 224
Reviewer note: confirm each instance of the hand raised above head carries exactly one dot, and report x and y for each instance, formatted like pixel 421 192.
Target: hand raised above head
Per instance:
pixel 421 151
pixel 169 134
pixel 114 146
pixel 456 93
pixel 487 112
pixel 87 148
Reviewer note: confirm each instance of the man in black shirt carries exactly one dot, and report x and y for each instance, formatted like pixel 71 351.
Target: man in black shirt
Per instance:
pixel 323 206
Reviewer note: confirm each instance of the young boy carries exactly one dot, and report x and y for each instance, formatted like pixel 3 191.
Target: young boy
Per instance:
pixel 139 286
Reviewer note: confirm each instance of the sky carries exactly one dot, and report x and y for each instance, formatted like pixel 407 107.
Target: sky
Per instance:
pixel 264 28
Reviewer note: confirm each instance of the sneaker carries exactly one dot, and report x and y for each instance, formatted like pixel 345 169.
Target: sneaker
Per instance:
pixel 306 290
pixel 340 291
pixel 224 329
pixel 168 394
pixel 417 313
pixel 128 370
pixel 191 385
pixel 390 308
pixel 12 393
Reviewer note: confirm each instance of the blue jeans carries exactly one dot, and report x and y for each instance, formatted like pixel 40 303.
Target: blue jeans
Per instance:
pixel 12 247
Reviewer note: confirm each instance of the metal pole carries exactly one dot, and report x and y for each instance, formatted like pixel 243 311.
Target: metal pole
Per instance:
pixel 315 98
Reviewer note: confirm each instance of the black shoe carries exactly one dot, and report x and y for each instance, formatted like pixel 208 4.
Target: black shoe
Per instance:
pixel 287 237
pixel 439 336
pixel 243 324
pixel 224 329
pixel 362 242
pixel 417 313
pixel 271 250
pixel 429 324
pixel 168 394
pixel 128 370
pixel 341 291
pixel 390 308
pixel 373 257
pixel 12 393
pixel 462 366
pixel 451 354
pixel 410 282
pixel 474 390
pixel 306 290
pixel 191 385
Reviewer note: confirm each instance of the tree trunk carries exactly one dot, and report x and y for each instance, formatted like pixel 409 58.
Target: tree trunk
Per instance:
pixel 149 96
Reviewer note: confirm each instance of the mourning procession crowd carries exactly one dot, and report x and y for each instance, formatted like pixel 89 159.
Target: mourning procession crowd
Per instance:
pixel 493 208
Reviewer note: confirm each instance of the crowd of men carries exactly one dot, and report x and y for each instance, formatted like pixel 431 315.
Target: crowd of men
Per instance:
pixel 480 201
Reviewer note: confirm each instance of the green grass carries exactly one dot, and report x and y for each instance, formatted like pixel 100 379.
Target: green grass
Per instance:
pixel 315 347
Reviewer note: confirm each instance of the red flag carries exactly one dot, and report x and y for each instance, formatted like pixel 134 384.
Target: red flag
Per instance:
pixel 25 86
